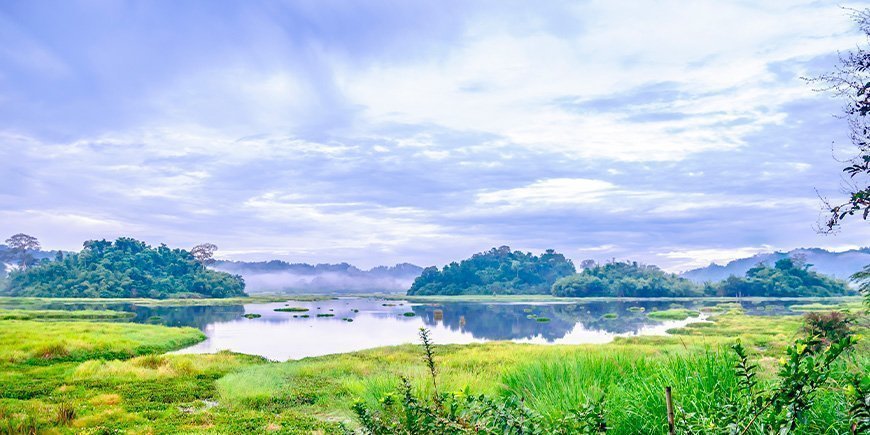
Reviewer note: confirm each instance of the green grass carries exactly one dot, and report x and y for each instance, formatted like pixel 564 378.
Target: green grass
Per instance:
pixel 673 314
pixel 46 342
pixel 24 302
pixel 64 315
pixel 291 310
pixel 813 307
pixel 79 377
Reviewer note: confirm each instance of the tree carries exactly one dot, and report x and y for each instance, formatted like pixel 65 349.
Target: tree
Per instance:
pixel 20 244
pixel 850 80
pixel 204 253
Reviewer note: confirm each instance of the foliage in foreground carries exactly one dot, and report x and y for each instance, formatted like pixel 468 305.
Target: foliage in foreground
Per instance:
pixel 750 406
pixel 126 268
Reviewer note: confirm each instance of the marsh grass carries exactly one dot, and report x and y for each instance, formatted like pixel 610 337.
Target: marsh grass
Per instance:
pixel 65 413
pixel 673 314
pixel 64 315
pixel 115 377
pixel 46 342
pixel 291 310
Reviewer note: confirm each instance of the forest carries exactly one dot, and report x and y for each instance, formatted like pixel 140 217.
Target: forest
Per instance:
pixel 500 271
pixel 125 268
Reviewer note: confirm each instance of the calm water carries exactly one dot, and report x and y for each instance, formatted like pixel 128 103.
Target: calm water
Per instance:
pixel 378 322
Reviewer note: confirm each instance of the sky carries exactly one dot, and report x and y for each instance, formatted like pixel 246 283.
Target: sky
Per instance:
pixel 672 133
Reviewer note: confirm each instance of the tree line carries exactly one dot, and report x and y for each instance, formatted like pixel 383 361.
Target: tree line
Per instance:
pixel 125 268
pixel 501 271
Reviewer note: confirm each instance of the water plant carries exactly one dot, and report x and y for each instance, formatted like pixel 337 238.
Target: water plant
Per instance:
pixel 252 316
pixel 292 309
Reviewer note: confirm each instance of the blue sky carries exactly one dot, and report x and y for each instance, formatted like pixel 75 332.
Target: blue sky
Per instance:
pixel 674 133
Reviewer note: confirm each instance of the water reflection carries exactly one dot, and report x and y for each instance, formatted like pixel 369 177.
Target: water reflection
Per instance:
pixel 349 324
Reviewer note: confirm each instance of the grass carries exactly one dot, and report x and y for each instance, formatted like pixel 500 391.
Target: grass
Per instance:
pixel 24 302
pixel 45 342
pixel 82 377
pixel 673 314
pixel 291 310
pixel 64 315
pixel 813 307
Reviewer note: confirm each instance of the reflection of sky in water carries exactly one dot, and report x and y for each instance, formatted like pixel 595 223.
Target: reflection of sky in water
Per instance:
pixel 280 336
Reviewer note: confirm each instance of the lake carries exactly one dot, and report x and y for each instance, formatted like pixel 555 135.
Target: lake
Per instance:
pixel 357 323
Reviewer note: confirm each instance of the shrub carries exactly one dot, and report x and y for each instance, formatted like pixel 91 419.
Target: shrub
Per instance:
pixel 829 327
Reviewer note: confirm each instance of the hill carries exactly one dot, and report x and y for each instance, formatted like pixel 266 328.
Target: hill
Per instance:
pixel 497 271
pixel 839 265
pixel 126 268
pixel 280 276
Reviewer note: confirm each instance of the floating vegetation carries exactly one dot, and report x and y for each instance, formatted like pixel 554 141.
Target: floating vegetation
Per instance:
pixel 527 310
pixel 155 320
pixel 347 319
pixel 636 309
pixel 409 314
pixel 292 310
pixel 531 316
pixel 325 315
pixel 610 316
pixel 355 310
pixel 388 305
pixel 674 314
pixel 813 307
pixel 253 316
pixel 542 319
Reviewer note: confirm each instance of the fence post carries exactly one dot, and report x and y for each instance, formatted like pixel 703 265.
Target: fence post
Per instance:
pixel 672 430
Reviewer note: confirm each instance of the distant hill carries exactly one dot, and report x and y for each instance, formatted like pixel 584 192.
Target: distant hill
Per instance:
pixel 836 264
pixel 281 276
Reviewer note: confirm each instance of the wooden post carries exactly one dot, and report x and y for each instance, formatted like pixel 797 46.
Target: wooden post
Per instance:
pixel 672 430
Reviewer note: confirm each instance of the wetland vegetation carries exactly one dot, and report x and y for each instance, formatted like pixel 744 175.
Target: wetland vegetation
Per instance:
pixel 72 377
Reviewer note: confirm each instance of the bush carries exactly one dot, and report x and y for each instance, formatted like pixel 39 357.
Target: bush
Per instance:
pixel 829 327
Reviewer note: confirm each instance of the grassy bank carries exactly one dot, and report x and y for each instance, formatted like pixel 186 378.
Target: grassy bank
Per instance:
pixel 82 377
pixel 64 315
pixel 26 302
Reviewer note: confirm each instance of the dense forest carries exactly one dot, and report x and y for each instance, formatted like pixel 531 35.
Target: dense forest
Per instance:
pixel 502 271
pixel 126 268
pixel 495 272
pixel 624 279
pixel 787 278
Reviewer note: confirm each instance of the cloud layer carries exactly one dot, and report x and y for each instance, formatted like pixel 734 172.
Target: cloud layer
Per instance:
pixel 383 132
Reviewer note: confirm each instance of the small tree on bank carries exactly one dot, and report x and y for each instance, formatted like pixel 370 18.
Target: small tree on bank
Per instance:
pixel 204 253
pixel 20 246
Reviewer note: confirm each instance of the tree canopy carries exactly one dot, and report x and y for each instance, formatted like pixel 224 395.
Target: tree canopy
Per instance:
pixel 787 278
pixel 497 271
pixel 624 279
pixel 851 81
pixel 124 269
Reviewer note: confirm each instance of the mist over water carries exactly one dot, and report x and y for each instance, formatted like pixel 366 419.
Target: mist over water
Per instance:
pixel 322 283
